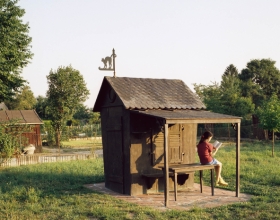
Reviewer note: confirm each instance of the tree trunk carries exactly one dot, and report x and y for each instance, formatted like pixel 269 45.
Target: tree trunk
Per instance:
pixel 273 143
pixel 266 134
pixel 57 139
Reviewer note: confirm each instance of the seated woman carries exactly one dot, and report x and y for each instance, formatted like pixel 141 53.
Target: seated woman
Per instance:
pixel 206 156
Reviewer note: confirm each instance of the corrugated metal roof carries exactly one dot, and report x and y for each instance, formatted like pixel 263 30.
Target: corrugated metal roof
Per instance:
pixel 200 116
pixel 21 116
pixel 146 93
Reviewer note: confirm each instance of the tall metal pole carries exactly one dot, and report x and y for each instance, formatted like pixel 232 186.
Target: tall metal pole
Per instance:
pixel 114 62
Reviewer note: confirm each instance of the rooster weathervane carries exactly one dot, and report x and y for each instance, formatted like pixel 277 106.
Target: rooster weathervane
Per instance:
pixel 109 63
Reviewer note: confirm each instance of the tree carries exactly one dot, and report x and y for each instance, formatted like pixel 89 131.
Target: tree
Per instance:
pixel 269 116
pixel 94 118
pixel 225 98
pixel 260 79
pixel 23 100
pixel 232 102
pixel 41 107
pixel 86 115
pixel 231 70
pixel 82 112
pixel 14 48
pixel 210 95
pixel 67 89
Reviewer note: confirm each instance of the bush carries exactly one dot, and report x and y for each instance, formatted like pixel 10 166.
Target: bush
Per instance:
pixel 11 140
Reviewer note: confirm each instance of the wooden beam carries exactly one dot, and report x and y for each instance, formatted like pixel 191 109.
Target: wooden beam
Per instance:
pixel 202 121
pixel 237 159
pixel 166 167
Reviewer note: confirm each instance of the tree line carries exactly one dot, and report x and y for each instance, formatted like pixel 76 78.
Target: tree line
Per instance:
pixel 254 91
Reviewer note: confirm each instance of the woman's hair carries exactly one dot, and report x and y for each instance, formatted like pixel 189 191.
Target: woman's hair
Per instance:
pixel 205 136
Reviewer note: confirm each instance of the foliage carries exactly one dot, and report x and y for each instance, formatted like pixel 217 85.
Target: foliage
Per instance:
pixel 85 115
pixel 240 94
pixel 232 101
pixel 260 79
pixel 210 95
pixel 49 133
pixel 11 139
pixel 231 70
pixel 23 100
pixel 226 98
pixel 67 89
pixel 269 116
pixel 94 118
pixel 41 107
pixel 14 48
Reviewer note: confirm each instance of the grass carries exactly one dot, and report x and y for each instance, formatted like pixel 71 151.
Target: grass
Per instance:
pixel 55 190
pixel 83 143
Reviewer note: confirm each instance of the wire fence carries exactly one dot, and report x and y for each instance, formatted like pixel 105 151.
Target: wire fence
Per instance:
pixel 221 131
pixel 85 131
pixel 226 131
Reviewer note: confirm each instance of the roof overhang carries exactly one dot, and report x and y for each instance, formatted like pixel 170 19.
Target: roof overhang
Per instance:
pixel 189 116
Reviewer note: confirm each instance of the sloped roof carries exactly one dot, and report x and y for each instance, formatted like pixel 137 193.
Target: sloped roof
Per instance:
pixel 147 93
pixel 22 116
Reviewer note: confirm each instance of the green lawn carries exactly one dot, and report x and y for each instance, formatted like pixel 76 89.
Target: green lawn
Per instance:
pixel 55 190
pixel 82 143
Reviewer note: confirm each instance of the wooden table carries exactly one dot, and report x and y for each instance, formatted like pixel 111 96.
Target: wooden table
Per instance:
pixel 189 168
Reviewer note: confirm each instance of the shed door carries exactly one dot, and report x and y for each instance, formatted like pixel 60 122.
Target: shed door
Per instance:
pixel 175 146
pixel 114 155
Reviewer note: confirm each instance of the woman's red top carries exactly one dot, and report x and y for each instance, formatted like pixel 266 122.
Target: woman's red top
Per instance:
pixel 204 149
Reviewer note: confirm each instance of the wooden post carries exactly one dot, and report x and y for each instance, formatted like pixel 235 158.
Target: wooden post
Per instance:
pixel 237 159
pixel 166 167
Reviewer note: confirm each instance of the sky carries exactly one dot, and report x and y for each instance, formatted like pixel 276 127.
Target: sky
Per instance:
pixel 182 39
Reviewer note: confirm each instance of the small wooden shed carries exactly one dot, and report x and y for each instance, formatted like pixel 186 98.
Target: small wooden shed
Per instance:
pixel 147 123
pixel 28 117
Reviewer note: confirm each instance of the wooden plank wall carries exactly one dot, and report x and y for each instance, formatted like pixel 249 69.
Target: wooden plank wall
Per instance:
pixel 34 137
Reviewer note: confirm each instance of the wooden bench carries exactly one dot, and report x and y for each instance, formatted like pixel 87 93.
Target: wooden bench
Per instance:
pixel 189 168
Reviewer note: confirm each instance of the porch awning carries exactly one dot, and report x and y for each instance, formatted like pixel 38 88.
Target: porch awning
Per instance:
pixel 189 116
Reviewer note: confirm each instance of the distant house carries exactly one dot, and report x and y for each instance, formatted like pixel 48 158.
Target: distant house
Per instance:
pixel 143 120
pixel 3 106
pixel 28 117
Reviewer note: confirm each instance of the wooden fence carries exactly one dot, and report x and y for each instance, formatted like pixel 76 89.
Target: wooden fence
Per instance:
pixel 43 158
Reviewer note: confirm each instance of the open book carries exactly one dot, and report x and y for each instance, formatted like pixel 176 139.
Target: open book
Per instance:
pixel 217 144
